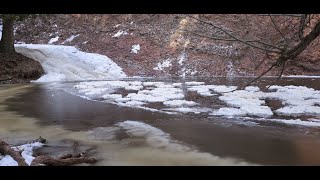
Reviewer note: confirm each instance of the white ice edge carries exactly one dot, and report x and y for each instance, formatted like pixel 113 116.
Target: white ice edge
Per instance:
pixel 250 101
pixel 66 63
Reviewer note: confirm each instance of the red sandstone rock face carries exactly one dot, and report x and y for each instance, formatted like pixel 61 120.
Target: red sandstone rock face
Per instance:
pixel 160 39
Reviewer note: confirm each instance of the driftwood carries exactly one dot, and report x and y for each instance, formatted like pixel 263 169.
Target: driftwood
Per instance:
pixel 65 160
pixel 44 160
pixel 16 155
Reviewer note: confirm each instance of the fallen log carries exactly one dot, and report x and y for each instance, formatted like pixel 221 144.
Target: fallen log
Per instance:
pixel 44 160
pixel 66 160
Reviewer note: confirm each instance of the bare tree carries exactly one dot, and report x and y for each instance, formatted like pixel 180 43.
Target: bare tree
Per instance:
pixel 293 34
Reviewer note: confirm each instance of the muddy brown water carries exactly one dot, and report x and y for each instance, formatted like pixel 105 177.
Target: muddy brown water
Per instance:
pixel 263 143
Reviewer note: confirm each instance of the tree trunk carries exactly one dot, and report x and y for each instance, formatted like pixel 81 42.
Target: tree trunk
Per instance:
pixel 305 42
pixel 7 40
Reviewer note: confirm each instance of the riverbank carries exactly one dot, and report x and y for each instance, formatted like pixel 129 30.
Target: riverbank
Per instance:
pixel 16 68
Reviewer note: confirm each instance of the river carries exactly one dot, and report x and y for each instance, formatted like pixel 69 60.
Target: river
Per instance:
pixel 129 135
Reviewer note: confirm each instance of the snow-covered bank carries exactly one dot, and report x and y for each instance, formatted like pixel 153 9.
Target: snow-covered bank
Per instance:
pixel 66 63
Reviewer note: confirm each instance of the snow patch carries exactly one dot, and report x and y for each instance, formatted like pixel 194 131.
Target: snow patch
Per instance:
pixel 28 151
pixel 71 38
pixel 66 63
pixel 230 71
pixel 120 33
pixel 53 40
pixel 8 161
pixel 165 64
pixel 135 48
pixel 181 59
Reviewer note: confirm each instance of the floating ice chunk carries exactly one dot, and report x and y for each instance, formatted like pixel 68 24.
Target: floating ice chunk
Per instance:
pixel 228 112
pixel 152 83
pixel 177 103
pixel 145 98
pixel 222 88
pixel 122 99
pixel 261 111
pixel 112 96
pixel 93 91
pixel 298 110
pixel 252 88
pixel 134 103
pixel 203 90
pixel 194 83
pixel 189 110
pixel 177 84
pixel 292 122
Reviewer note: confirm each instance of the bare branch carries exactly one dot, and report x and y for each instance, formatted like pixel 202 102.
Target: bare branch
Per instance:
pixel 265 72
pixel 302 25
pixel 288 15
pixel 282 70
pixel 278 29
pixel 247 42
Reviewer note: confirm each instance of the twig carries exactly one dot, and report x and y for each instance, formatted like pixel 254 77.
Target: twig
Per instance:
pixel 247 42
pixel 282 70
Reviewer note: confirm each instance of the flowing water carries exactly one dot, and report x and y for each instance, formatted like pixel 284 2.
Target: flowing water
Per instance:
pixel 124 135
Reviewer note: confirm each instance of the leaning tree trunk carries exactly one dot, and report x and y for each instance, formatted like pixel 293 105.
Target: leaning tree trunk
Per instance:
pixel 7 40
